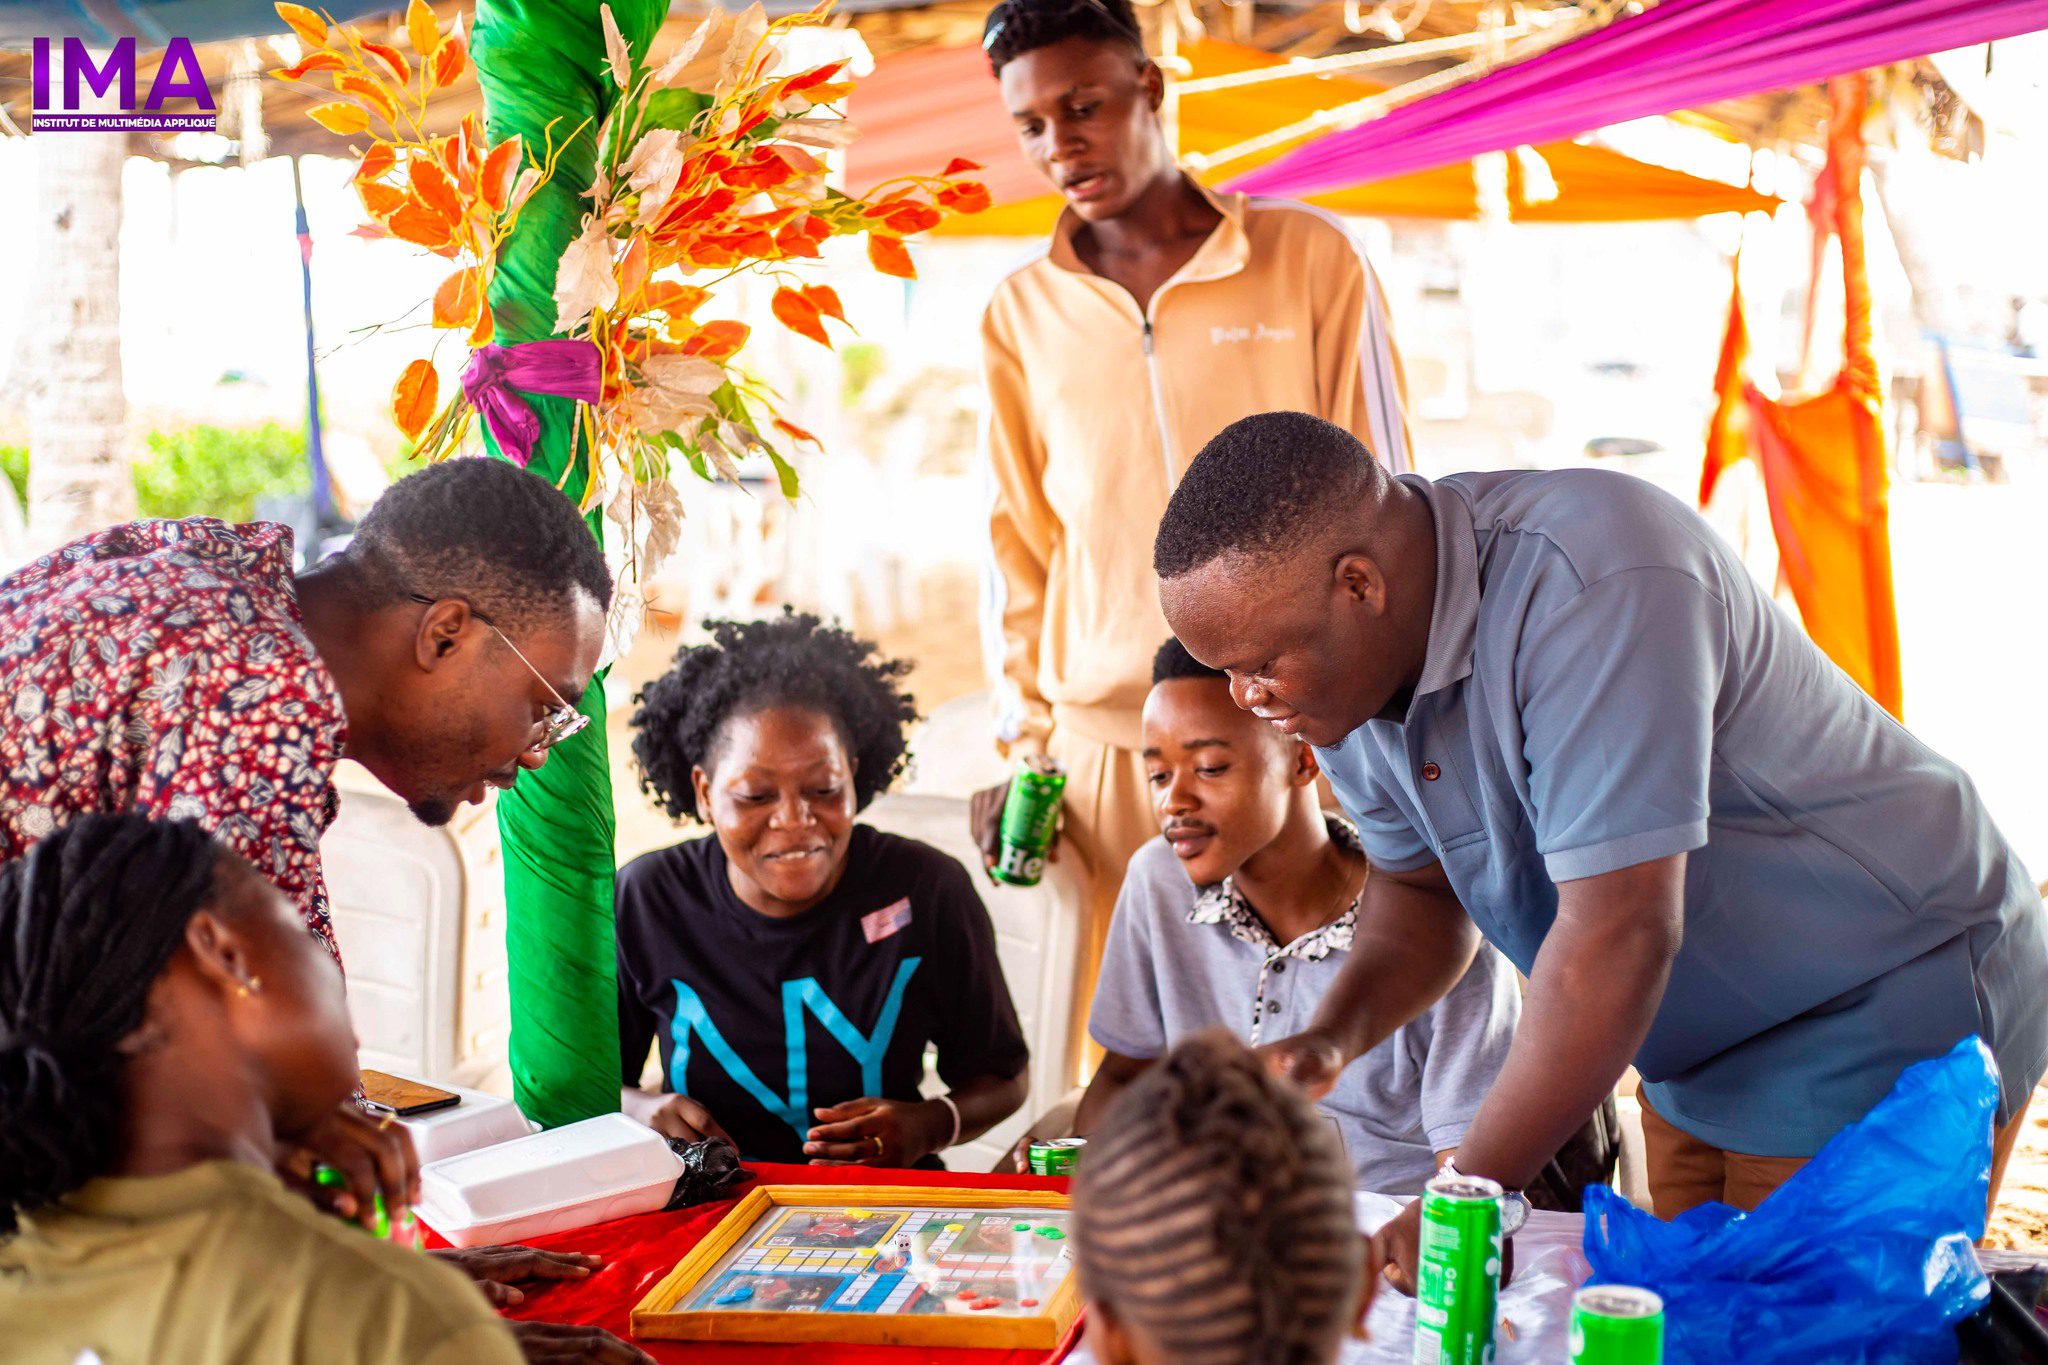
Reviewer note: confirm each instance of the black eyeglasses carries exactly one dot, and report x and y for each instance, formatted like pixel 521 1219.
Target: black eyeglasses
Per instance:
pixel 1000 16
pixel 562 720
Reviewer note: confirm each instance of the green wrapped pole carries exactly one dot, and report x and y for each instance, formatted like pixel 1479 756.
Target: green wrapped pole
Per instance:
pixel 542 62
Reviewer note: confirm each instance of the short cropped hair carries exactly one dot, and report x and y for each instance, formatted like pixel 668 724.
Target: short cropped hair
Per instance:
pixel 1263 483
pixel 1016 27
pixel 486 532
pixel 1173 661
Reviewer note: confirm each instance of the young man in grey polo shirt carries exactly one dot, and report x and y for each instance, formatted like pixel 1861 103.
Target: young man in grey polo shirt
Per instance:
pixel 1561 710
pixel 1241 914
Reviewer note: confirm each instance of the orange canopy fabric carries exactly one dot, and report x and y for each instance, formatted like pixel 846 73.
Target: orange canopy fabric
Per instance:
pixel 922 107
pixel 1823 456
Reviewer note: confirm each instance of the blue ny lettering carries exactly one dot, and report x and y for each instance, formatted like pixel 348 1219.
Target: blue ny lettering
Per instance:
pixel 799 995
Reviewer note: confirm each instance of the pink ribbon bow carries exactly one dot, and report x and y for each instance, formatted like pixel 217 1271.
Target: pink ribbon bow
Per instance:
pixel 563 369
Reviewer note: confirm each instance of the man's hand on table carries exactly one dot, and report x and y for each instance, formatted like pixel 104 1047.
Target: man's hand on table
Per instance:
pixel 373 1155
pixel 542 1342
pixel 873 1132
pixel 498 1270
pixel 1397 1246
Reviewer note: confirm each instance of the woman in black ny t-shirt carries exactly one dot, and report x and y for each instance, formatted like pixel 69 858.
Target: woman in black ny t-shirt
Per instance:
pixel 794 966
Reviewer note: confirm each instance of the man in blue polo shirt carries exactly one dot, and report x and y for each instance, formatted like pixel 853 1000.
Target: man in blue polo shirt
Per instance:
pixel 1559 709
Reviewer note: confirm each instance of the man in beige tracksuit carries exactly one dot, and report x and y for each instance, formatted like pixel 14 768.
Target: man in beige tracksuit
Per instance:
pixel 1158 314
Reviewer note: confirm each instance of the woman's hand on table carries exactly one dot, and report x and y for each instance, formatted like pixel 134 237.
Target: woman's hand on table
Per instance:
pixel 542 1342
pixel 673 1116
pixel 498 1270
pixel 373 1155
pixel 872 1132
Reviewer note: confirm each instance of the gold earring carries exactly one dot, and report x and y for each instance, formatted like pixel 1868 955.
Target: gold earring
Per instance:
pixel 253 986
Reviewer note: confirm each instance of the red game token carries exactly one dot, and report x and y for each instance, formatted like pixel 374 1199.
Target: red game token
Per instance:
pixel 968 1294
pixel 981 1305
pixel 1027 1303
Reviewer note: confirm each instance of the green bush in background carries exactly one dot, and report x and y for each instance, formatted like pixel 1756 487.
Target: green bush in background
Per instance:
pixel 202 470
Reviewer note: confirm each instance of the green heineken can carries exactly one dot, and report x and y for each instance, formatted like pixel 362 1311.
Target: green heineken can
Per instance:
pixel 1031 813
pixel 1617 1324
pixel 1055 1156
pixel 1457 1275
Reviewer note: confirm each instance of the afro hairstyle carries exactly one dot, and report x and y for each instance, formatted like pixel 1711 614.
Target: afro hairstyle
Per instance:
pixel 792 660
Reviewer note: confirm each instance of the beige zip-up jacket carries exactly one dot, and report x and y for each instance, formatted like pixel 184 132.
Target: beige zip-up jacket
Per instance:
pixel 1096 409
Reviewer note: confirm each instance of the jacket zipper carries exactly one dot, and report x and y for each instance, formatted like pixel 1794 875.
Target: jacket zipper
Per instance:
pixel 1158 405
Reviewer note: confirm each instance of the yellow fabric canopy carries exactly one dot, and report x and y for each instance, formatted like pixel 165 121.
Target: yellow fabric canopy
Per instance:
pixel 920 104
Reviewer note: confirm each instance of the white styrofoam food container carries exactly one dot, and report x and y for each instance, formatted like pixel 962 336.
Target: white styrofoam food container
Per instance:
pixel 479 1121
pixel 569 1177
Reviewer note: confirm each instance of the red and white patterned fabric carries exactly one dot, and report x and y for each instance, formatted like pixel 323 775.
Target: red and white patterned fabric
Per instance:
pixel 163 667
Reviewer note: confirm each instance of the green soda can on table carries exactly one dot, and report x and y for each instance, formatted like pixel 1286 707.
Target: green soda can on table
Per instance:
pixel 1031 813
pixel 1617 1324
pixel 1457 1273
pixel 1055 1156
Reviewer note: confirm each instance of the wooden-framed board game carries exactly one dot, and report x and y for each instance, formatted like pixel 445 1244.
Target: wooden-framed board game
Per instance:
pixel 875 1265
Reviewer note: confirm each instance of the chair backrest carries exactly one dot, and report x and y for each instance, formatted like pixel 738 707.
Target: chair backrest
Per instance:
pixel 397 890
pixel 1037 931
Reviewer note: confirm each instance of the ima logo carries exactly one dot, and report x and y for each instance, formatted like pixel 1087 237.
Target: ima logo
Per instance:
pixel 178 77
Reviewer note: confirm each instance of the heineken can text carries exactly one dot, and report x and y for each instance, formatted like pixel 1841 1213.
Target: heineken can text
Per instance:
pixel 1031 813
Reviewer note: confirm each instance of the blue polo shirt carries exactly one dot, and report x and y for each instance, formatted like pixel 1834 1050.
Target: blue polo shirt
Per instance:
pixel 1605 685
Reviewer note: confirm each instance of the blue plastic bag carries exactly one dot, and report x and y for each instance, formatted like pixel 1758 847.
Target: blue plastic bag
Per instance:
pixel 1865 1257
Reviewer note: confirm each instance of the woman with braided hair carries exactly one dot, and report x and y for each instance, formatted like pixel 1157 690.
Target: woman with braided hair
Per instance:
pixel 167 1025
pixel 1213 1219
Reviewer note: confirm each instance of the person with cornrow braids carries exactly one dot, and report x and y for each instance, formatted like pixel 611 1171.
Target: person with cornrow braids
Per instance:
pixel 795 965
pixel 166 1026
pixel 1213 1220
pixel 1158 313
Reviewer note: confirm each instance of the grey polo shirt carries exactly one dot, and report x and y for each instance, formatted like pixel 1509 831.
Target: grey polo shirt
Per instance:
pixel 1181 959
pixel 1605 685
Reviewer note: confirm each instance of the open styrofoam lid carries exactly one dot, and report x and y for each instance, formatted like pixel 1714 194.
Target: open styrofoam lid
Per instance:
pixel 593 1158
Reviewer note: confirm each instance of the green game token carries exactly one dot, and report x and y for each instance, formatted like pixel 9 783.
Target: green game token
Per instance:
pixel 1020 1227
pixel 1053 1234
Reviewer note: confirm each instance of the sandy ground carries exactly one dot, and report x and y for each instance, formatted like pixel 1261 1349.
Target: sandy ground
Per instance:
pixel 1964 556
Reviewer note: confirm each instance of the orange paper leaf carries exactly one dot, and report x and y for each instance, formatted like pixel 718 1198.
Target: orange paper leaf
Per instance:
pixel 432 186
pixel 633 271
pixel 310 27
pixel 717 341
pixel 421 29
pixel 486 327
pixel 825 299
pixel 677 300
pixel 890 256
pixel 799 315
pixel 376 163
pixel 413 398
pixel 458 299
pixel 796 432
pixel 341 117
pixel 959 165
pixel 421 226
pixel 966 197
pixel 451 59
pixel 394 61
pixel 380 200
pixel 318 61
pixel 369 92
pixel 501 171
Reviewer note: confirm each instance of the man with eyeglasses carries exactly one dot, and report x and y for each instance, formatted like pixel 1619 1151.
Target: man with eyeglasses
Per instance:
pixel 1159 313
pixel 179 669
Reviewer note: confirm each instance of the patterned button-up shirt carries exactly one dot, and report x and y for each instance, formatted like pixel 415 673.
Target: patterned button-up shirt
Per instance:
pixel 163 667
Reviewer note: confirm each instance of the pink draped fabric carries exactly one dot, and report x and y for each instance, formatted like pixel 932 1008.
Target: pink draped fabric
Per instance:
pixel 1680 54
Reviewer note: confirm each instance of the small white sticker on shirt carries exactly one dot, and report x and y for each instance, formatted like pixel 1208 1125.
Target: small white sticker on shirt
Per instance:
pixel 888 920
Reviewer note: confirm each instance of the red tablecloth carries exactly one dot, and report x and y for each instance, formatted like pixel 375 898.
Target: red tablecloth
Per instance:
pixel 639 1251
